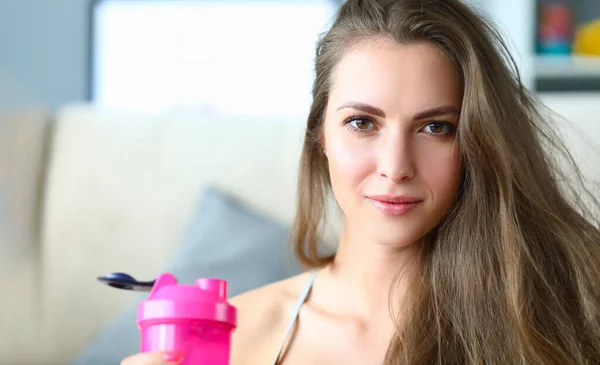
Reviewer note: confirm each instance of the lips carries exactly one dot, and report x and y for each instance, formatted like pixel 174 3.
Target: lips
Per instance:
pixel 396 199
pixel 394 205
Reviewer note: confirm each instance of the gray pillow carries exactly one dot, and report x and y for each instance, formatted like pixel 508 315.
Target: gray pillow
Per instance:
pixel 226 240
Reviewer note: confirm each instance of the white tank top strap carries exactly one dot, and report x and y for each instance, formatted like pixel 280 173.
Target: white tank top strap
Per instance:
pixel 301 299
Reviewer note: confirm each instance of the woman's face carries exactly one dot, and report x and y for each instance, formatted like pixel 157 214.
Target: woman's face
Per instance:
pixel 390 139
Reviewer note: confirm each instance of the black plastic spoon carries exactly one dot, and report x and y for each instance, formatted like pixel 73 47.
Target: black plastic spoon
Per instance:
pixel 126 282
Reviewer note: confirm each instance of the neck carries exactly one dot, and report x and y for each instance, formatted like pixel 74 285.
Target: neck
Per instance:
pixel 365 271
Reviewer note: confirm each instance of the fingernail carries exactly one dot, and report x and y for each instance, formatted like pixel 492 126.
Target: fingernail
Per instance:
pixel 173 357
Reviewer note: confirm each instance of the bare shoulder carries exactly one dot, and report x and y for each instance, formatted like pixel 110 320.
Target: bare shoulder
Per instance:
pixel 263 315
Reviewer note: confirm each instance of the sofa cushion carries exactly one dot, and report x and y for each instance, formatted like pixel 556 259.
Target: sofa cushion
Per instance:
pixel 23 137
pixel 226 240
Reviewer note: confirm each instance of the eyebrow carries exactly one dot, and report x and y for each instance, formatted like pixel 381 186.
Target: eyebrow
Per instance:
pixel 434 112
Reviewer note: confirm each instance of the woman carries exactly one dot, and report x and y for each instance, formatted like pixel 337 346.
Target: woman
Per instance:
pixel 461 241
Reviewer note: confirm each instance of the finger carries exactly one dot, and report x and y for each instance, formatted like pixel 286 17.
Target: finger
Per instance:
pixel 153 358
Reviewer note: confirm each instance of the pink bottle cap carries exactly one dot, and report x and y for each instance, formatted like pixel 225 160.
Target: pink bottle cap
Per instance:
pixel 170 301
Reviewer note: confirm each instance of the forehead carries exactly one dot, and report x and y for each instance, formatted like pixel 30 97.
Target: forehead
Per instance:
pixel 396 76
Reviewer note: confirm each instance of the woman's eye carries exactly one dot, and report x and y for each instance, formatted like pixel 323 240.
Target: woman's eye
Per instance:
pixel 361 124
pixel 439 128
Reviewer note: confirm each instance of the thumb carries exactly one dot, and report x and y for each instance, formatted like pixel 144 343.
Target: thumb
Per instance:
pixel 154 358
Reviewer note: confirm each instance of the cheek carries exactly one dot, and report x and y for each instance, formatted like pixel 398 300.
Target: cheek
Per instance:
pixel 440 168
pixel 350 161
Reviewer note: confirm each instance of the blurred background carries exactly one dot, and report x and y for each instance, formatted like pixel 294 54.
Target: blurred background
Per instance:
pixel 60 51
pixel 146 136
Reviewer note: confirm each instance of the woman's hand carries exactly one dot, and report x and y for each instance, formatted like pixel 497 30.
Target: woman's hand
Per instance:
pixel 153 358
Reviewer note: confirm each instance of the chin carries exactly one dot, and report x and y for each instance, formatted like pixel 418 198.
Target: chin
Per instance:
pixel 397 237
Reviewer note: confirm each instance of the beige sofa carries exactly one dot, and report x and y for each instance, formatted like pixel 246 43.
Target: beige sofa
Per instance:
pixel 84 192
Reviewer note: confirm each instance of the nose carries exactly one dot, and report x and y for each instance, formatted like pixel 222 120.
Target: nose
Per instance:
pixel 394 158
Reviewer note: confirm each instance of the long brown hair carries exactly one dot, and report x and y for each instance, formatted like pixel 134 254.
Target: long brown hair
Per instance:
pixel 512 274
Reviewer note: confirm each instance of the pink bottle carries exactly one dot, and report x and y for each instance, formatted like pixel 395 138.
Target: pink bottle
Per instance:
pixel 195 321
